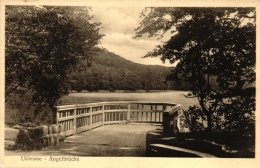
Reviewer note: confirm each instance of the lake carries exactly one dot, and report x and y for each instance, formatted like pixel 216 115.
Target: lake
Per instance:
pixel 163 96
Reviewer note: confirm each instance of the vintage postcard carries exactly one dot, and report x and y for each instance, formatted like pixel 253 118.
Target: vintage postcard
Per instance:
pixel 123 83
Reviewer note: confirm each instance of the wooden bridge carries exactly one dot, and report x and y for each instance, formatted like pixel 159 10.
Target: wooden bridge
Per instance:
pixel 121 129
pixel 128 137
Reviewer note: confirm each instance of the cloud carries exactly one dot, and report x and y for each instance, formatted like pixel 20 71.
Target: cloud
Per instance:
pixel 131 49
pixel 121 39
pixel 118 26
pixel 115 20
pixel 135 55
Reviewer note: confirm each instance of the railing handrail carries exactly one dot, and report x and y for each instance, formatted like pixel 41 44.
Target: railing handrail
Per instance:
pixel 114 102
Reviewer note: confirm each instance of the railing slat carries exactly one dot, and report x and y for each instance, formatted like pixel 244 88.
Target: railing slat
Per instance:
pixel 90 118
pixel 103 114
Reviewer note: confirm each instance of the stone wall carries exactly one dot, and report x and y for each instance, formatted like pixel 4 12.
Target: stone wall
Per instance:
pixel 10 137
pixel 30 138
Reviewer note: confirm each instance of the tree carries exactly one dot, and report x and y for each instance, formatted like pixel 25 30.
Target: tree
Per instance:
pixel 78 81
pixel 42 44
pixel 130 81
pixel 207 43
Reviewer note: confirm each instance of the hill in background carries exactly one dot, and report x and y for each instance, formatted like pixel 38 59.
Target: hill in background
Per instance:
pixel 112 72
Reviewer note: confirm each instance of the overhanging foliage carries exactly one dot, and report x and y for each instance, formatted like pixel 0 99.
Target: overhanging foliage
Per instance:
pixel 42 43
pixel 207 43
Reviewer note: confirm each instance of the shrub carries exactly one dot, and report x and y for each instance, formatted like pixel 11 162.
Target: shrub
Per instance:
pixel 233 122
pixel 111 89
pixel 25 141
pixel 239 116
pixel 195 118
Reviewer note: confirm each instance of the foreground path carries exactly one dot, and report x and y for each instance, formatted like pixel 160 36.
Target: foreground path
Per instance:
pixel 109 140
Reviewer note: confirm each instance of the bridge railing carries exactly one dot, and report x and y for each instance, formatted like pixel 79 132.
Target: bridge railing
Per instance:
pixel 82 117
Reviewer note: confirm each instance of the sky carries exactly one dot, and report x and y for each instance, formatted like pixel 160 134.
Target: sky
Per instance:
pixel 118 24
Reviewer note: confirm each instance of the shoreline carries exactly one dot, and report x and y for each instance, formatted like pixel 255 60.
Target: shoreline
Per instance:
pixel 128 91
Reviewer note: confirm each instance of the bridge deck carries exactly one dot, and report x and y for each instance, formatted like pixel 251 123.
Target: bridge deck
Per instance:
pixel 108 140
pixel 112 140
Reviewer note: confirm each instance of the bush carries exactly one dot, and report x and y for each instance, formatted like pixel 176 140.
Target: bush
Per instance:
pixel 195 118
pixel 20 113
pixel 233 123
pixel 25 141
pixel 111 89
pixel 238 117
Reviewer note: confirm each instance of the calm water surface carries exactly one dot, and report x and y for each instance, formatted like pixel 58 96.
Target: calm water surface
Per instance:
pixel 169 96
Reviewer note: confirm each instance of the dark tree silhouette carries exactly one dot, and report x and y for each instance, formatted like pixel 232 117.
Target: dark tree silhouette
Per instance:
pixel 208 43
pixel 42 44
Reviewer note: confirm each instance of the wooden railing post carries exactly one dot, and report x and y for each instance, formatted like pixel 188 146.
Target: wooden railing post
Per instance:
pixel 164 107
pixel 103 114
pixel 57 115
pixel 90 118
pixel 128 114
pixel 75 121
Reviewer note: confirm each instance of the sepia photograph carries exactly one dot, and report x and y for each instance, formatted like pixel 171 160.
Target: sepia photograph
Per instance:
pixel 88 83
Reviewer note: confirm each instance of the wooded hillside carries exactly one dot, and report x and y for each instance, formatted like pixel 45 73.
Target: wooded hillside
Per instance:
pixel 112 72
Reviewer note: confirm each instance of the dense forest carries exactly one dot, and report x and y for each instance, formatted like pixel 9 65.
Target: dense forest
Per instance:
pixel 109 71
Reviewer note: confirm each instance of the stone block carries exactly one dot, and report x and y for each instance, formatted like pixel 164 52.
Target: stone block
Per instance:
pixel 24 140
pixel 62 128
pixel 54 139
pixel 154 136
pixel 18 126
pixel 55 128
pixel 62 136
pixel 9 144
pixel 45 129
pixel 46 140
pixel 11 134
pixel 37 132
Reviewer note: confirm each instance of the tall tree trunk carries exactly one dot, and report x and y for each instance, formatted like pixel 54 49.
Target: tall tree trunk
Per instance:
pixel 209 120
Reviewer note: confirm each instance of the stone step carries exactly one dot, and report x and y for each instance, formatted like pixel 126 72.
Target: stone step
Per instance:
pixel 172 151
